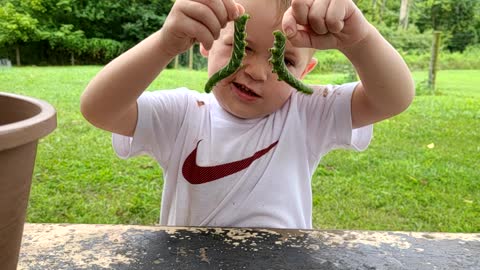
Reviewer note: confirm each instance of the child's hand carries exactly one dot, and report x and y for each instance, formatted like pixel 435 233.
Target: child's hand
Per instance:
pixel 324 24
pixel 197 20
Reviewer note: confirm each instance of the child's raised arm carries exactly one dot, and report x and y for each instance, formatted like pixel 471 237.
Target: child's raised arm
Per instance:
pixel 109 100
pixel 386 87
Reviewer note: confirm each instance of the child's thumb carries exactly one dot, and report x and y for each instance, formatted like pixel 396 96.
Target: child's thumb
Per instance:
pixel 240 9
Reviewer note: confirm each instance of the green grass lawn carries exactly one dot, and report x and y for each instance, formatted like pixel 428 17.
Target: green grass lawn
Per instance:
pixel 397 184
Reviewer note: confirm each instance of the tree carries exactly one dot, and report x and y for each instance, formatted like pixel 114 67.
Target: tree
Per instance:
pixel 16 28
pixel 455 18
pixel 122 20
pixel 380 11
pixel 403 18
pixel 71 41
pixel 462 28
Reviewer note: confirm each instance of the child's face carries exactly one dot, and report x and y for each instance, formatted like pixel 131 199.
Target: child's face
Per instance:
pixel 269 94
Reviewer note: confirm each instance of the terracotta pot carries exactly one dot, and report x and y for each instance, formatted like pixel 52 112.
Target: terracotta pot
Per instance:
pixel 23 121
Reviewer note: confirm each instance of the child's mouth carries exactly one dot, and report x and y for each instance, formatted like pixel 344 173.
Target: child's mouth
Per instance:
pixel 245 90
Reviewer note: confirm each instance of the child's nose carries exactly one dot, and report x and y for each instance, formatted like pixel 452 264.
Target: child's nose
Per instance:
pixel 257 68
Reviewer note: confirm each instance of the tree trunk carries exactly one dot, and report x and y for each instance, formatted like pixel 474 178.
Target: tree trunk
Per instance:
pixel 17 52
pixel 382 11
pixel 432 72
pixel 374 10
pixel 403 20
pixel 72 59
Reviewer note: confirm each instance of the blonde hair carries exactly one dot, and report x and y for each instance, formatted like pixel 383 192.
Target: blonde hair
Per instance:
pixel 285 4
pixel 282 6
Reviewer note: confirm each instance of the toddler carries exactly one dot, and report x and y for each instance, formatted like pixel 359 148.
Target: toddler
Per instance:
pixel 244 155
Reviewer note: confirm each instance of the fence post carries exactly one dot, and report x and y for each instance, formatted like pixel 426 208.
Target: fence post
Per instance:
pixel 17 53
pixel 175 62
pixel 432 72
pixel 190 58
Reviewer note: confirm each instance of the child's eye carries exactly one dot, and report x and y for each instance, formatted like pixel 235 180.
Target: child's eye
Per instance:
pixel 289 62
pixel 248 49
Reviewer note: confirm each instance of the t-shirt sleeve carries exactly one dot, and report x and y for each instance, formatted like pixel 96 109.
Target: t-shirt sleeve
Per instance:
pixel 329 120
pixel 160 115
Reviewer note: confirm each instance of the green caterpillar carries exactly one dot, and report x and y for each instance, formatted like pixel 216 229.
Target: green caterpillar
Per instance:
pixel 238 53
pixel 278 63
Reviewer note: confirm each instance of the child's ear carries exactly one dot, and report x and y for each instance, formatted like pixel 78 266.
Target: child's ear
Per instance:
pixel 203 51
pixel 310 66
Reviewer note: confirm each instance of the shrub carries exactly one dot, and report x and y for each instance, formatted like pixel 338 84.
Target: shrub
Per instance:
pixel 102 49
pixel 334 61
pixel 407 40
pixel 331 61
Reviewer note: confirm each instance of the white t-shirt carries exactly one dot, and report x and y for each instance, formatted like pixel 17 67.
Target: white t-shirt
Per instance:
pixel 220 170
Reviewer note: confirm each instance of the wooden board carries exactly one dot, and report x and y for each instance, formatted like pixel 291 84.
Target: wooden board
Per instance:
pixel 69 246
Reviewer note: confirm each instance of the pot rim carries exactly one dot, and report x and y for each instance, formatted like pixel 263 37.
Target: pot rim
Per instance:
pixel 30 129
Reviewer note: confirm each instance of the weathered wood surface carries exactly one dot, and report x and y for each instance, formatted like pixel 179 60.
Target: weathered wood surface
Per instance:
pixel 69 246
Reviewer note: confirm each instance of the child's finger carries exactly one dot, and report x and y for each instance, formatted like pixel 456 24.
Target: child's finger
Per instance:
pixel 218 9
pixel 335 17
pixel 232 9
pixel 308 39
pixel 300 10
pixel 301 39
pixel 240 9
pixel 298 35
pixel 201 33
pixel 204 15
pixel 317 16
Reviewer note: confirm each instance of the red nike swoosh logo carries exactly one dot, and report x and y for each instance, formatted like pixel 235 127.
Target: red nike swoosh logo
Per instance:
pixel 195 174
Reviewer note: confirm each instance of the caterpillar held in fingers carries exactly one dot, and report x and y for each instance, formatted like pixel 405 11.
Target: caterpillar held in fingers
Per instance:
pixel 238 53
pixel 279 67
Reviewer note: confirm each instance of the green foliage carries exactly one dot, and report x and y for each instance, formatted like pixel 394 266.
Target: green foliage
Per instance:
pixel 378 13
pixel 91 29
pixel 410 39
pixel 69 25
pixel 433 14
pixel 147 21
pixel 417 58
pixel 331 61
pixel 461 37
pixel 15 26
pixel 199 61
pixel 422 89
pixel 456 60
pixel 476 21
pixel 66 38
pixel 459 20
pixel 453 17
pixel 104 49
pixel 124 20
pixel 348 74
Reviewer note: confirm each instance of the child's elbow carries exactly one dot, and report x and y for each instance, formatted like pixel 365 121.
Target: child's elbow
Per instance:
pixel 84 108
pixel 407 99
pixel 87 109
pixel 401 100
